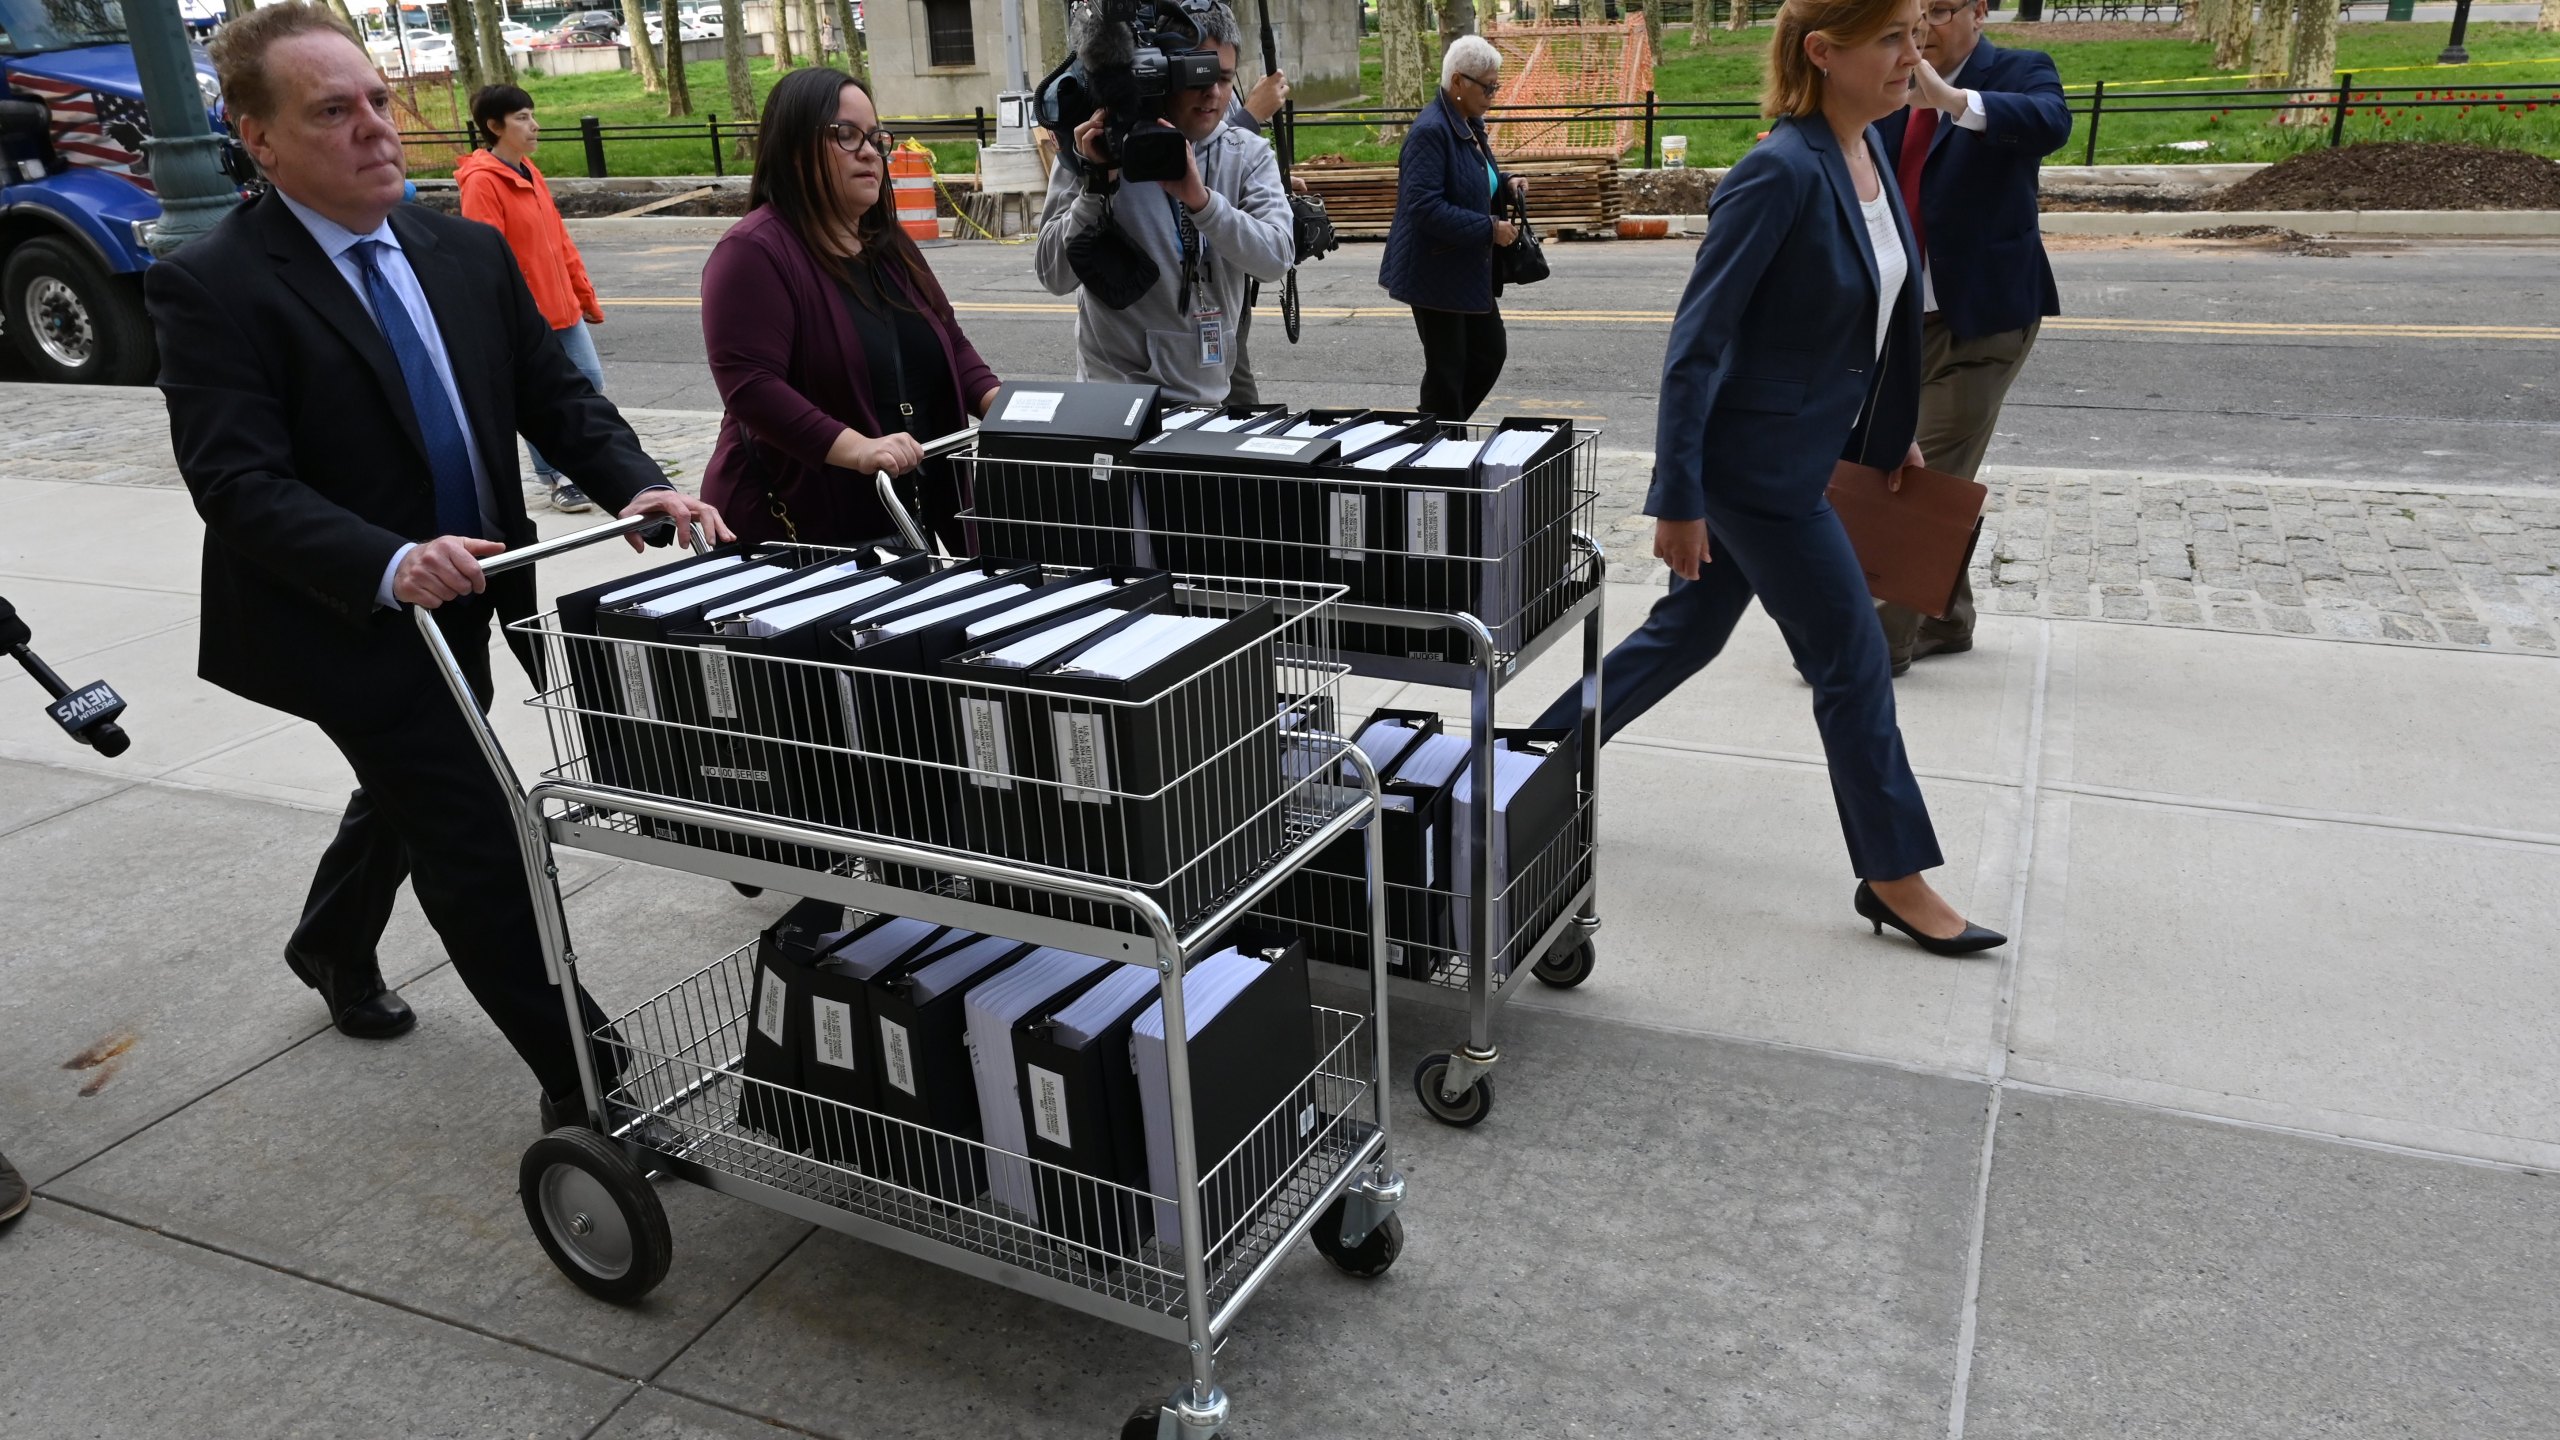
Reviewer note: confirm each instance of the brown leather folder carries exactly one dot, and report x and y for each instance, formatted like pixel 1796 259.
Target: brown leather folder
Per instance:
pixel 1914 543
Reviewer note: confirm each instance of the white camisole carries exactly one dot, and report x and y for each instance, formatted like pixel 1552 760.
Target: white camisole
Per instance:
pixel 1893 267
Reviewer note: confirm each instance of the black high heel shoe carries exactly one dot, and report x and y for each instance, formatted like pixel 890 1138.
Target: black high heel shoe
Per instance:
pixel 1871 907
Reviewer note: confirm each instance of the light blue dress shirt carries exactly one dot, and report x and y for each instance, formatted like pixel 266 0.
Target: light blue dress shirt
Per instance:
pixel 338 243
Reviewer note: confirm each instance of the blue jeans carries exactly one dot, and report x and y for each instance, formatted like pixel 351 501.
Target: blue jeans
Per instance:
pixel 582 353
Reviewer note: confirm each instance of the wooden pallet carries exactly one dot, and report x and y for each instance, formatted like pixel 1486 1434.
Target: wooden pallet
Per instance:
pixel 1575 195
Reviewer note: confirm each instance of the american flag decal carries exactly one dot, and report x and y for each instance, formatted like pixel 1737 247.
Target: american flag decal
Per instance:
pixel 93 128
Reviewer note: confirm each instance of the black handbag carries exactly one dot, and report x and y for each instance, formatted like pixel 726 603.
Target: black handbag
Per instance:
pixel 1315 237
pixel 1522 262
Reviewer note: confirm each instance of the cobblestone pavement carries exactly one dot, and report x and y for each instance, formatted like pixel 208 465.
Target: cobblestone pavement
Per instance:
pixel 2477 568
pixel 2472 569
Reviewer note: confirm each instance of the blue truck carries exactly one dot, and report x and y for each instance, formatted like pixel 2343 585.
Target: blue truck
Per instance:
pixel 76 201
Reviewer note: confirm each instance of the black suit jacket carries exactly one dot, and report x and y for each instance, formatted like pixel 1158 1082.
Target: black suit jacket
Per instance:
pixel 295 434
pixel 1978 193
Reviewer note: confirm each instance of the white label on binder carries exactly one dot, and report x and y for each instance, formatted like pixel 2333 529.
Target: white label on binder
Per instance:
pixel 1048 1104
pixel 832 1033
pixel 1084 756
pixel 990 751
pixel 1102 463
pixel 895 1065
pixel 852 718
pixel 1430 857
pixel 1136 407
pixel 1426 514
pixel 719 687
pixel 1032 407
pixel 769 1004
pixel 1306 1121
pixel 1262 445
pixel 1347 512
pixel 639 697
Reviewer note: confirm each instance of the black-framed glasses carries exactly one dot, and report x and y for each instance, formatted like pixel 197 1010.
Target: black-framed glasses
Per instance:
pixel 1489 87
pixel 1941 14
pixel 850 138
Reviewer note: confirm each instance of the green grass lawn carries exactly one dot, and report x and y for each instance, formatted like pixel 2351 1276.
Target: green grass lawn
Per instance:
pixel 614 97
pixel 2513 66
pixel 1727 71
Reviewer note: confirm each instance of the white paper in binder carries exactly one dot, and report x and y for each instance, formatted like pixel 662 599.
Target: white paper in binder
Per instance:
pixel 1386 459
pixel 992 1010
pixel 1184 419
pixel 1511 770
pixel 1382 739
pixel 1507 586
pixel 692 570
pixel 1048 600
pixel 1145 643
pixel 1039 645
pixel 727 583
pixel 872 953
pixel 907 622
pixel 827 575
pixel 1205 991
pixel 1361 437
pixel 757 617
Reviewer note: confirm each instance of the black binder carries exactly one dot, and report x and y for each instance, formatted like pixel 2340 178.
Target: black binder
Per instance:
pixel 1138 790
pixel 1487 540
pixel 841 1057
pixel 924 1074
pixel 777 1022
pixel 1536 819
pixel 1081 1113
pixel 1233 502
pixel 1065 516
pixel 1329 895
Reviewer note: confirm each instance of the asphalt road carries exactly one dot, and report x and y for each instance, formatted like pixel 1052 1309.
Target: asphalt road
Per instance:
pixel 2430 362
pixel 2425 362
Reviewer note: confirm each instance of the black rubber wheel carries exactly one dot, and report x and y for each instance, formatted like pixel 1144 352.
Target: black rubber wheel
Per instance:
pixel 743 888
pixel 1370 1258
pixel 71 321
pixel 1468 1109
pixel 596 1216
pixel 1567 965
pixel 1142 1425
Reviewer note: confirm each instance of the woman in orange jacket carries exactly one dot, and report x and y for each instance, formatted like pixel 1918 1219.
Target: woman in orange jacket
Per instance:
pixel 500 187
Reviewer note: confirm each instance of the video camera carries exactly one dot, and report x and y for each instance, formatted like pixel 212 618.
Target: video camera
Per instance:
pixel 1139 53
pixel 87 714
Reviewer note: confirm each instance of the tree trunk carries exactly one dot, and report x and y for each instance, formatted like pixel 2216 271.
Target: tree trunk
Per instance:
pixel 2550 17
pixel 1053 36
pixel 644 57
pixel 679 88
pixel 1739 17
pixel 780 34
pixel 2314 60
pixel 1653 26
pixel 468 69
pixel 493 44
pixel 2271 53
pixel 815 23
pixel 857 48
pixel 733 60
pixel 1457 17
pixel 2238 32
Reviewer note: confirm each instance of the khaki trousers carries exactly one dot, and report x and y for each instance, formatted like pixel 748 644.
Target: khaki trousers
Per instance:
pixel 1962 383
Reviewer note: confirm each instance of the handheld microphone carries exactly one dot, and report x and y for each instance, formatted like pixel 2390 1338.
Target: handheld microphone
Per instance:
pixel 87 714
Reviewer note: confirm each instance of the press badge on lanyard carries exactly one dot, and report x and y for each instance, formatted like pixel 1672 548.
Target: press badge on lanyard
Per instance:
pixel 1207 320
pixel 1213 333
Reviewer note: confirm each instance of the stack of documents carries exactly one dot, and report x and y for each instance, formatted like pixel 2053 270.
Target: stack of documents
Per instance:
pixel 1038 979
pixel 1252 1042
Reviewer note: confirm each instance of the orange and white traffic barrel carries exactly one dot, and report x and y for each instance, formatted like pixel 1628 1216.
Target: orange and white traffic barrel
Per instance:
pixel 911 178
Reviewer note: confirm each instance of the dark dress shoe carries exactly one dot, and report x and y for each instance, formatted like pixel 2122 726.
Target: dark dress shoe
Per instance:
pixel 1928 645
pixel 360 1005
pixel 14 1192
pixel 1871 906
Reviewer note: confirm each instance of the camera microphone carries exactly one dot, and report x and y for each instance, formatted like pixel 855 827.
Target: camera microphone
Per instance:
pixel 87 714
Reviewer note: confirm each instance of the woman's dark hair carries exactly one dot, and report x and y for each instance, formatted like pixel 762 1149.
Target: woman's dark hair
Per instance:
pixel 490 107
pixel 796 175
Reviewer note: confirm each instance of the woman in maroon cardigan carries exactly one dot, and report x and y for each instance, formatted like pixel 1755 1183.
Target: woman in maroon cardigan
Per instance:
pixel 834 348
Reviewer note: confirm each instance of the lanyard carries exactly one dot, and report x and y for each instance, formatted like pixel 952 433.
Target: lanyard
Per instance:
pixel 1195 258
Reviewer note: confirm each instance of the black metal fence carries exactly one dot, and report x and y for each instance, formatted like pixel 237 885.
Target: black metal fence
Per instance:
pixel 2323 105
pixel 716 137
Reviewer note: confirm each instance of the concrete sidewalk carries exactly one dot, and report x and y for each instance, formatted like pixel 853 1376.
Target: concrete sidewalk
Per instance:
pixel 2242 1136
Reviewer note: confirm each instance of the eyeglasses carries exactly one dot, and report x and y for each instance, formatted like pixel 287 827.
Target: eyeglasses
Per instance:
pixel 851 138
pixel 1487 86
pixel 1941 14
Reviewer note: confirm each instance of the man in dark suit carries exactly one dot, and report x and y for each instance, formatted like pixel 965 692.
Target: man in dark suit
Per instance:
pixel 1966 152
pixel 346 377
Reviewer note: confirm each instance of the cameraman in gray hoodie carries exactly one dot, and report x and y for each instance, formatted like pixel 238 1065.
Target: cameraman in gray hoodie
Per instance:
pixel 1225 222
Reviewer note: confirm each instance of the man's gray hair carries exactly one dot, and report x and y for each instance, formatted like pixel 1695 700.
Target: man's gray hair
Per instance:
pixel 1217 26
pixel 1472 56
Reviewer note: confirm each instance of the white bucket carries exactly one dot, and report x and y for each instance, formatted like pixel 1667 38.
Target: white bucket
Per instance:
pixel 1675 152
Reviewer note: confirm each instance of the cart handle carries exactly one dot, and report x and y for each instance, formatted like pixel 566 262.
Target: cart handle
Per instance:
pixel 501 563
pixel 908 529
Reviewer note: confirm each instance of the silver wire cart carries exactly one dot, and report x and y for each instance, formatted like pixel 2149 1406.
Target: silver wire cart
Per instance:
pixel 1515 569
pixel 1146 868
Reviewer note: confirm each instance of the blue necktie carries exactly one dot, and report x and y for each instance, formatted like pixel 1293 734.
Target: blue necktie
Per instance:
pixel 457 493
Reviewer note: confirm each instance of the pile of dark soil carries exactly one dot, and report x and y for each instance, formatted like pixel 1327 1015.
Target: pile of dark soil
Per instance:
pixel 2283 241
pixel 2401 175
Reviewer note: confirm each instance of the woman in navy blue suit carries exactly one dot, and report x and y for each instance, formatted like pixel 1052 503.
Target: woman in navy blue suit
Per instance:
pixel 1797 345
pixel 1439 255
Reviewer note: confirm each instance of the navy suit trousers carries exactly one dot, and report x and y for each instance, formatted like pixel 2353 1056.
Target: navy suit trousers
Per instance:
pixel 1807 577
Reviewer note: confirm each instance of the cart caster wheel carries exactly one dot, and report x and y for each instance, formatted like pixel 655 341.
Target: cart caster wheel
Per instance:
pixel 595 1214
pixel 1567 965
pixel 743 888
pixel 1370 1258
pixel 1468 1109
pixel 1144 1425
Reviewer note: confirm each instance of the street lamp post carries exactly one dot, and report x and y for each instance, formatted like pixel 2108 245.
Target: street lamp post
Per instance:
pixel 2454 54
pixel 186 160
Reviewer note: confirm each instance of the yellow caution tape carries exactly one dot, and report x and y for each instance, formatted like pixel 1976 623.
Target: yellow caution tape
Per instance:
pixel 2359 73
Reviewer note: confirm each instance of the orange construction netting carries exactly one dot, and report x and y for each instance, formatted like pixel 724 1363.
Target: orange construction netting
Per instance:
pixel 1566 71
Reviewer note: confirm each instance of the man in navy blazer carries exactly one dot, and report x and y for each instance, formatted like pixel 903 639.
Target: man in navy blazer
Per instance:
pixel 1966 154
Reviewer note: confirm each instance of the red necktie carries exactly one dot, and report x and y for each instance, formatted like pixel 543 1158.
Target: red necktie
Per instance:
pixel 1916 134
